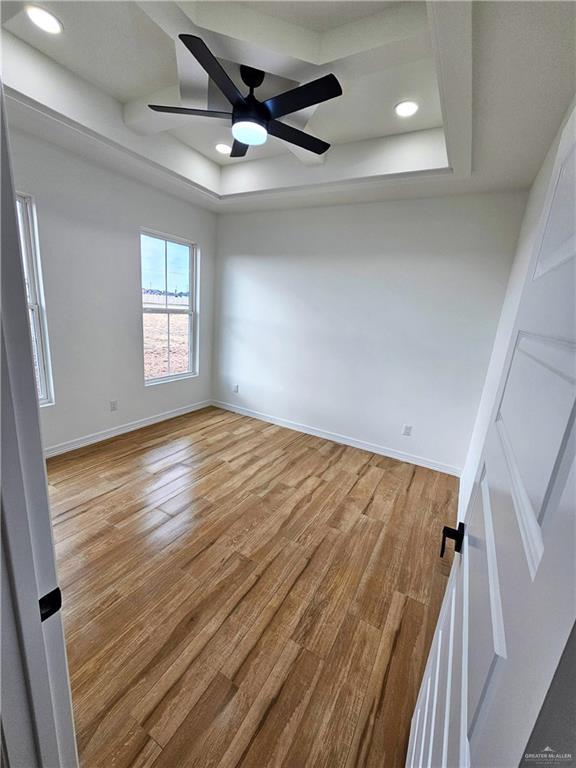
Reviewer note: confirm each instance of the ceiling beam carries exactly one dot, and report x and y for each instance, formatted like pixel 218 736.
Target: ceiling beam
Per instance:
pixel 373 159
pixel 37 81
pixel 451 37
pixel 274 37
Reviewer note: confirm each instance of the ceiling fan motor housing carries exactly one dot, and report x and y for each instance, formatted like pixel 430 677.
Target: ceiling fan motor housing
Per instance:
pixel 252 111
pixel 251 77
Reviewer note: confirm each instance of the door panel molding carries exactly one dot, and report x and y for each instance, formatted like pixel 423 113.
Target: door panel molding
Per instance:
pixel 561 471
pixel 415 735
pixel 487 646
pixel 434 700
pixel 536 346
pixel 498 631
pixel 530 531
pixel 447 706
pixel 536 402
pixel 560 217
pixel 424 722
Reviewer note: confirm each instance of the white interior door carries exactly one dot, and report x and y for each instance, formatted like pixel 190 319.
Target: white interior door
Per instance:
pixel 511 599
pixel 37 724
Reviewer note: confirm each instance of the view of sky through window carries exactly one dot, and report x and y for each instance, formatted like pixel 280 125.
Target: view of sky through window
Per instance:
pixel 165 272
pixel 153 264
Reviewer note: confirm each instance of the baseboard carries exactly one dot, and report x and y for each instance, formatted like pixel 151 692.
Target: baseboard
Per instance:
pixel 97 437
pixel 344 439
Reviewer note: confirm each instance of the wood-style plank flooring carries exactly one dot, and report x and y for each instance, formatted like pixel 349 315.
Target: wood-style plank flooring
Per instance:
pixel 239 594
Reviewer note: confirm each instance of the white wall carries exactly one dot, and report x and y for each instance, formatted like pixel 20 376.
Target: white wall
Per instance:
pixel 350 320
pixel 357 319
pixel 89 220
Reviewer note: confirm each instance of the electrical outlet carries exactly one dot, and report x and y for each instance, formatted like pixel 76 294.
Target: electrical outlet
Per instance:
pixel 235 389
pixel 113 405
pixel 406 430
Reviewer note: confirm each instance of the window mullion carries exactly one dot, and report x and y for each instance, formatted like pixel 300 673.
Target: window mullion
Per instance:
pixel 171 311
pixel 32 255
pixel 192 322
pixel 192 280
pixel 40 351
pixel 166 300
pixel 191 337
pixel 168 325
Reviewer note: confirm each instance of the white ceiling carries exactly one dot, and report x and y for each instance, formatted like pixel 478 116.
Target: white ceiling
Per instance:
pixel 120 49
pixel 524 68
pixel 494 78
pixel 365 110
pixel 319 16
pixel 113 45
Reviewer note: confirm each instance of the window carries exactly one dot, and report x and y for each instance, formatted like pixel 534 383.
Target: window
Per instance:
pixel 169 311
pixel 35 297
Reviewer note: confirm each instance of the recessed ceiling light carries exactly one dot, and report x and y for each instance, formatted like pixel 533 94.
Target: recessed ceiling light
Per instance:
pixel 406 108
pixel 224 149
pixel 43 19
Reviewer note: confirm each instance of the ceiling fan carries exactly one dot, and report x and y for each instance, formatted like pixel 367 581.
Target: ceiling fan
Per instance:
pixel 253 120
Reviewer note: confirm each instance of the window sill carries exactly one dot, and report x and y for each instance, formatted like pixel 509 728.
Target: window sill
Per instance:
pixel 169 379
pixel 47 403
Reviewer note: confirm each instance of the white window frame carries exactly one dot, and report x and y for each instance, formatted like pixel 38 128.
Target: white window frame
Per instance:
pixel 191 311
pixel 30 250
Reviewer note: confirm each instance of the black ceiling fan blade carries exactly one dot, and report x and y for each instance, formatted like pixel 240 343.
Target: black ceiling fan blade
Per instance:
pixel 316 92
pixel 238 149
pixel 294 136
pixel 189 111
pixel 212 66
